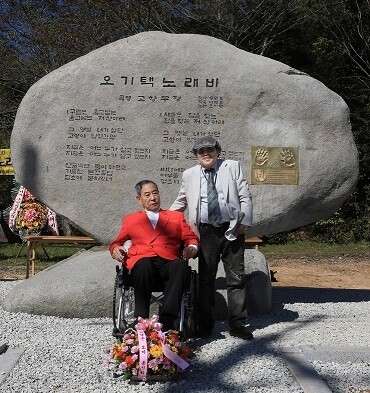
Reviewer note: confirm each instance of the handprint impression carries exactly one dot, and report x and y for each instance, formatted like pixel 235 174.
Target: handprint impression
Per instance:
pixel 261 157
pixel 287 157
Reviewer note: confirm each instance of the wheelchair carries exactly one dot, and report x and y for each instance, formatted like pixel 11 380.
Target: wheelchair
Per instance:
pixel 124 303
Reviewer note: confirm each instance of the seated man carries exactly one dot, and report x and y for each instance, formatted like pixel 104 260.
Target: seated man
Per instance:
pixel 156 237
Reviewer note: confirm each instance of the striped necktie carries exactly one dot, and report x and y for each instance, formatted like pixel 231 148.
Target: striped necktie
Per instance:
pixel 214 212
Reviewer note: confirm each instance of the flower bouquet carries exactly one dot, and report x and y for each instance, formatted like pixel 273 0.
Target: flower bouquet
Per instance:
pixel 147 353
pixel 28 216
pixel 32 217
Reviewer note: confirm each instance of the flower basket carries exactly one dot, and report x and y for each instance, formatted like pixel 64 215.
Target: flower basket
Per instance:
pixel 32 217
pixel 147 354
pixel 149 378
pixel 28 216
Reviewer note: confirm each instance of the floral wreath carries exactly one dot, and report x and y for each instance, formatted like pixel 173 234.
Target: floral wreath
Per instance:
pixel 147 353
pixel 32 216
pixel 29 216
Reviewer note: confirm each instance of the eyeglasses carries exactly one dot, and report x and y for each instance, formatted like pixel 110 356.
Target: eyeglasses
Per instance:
pixel 203 150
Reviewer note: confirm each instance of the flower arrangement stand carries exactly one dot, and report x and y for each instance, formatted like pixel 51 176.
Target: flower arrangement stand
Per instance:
pixel 22 246
pixel 252 241
pixel 38 241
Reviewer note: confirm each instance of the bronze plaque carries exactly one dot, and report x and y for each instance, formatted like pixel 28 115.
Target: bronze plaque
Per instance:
pixel 275 165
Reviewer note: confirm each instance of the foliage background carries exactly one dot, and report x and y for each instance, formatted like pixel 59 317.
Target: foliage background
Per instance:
pixel 327 39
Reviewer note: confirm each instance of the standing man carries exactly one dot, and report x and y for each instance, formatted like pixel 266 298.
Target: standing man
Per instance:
pixel 157 237
pixel 220 209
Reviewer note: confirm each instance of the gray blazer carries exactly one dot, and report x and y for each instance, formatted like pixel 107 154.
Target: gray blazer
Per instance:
pixel 235 189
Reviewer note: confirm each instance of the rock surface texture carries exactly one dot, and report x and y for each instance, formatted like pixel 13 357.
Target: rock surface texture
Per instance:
pixel 87 132
pixel 82 286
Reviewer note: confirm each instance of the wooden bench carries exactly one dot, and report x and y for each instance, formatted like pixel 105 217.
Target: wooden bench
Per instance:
pixel 35 241
pixel 253 241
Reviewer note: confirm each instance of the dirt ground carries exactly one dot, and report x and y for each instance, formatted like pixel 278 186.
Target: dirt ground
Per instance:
pixel 10 273
pixel 339 272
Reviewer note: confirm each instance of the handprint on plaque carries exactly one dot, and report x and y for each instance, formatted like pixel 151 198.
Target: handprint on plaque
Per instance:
pixel 261 157
pixel 287 157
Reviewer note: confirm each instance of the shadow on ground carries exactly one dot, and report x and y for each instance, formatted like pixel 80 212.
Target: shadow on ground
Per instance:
pixel 318 295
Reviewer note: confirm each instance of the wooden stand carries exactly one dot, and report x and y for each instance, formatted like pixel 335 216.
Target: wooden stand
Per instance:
pixel 252 241
pixel 35 241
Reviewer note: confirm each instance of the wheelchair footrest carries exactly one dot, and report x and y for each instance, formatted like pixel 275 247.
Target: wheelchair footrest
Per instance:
pixel 117 334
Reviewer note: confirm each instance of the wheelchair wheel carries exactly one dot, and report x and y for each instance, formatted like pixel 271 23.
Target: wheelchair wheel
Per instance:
pixel 119 323
pixel 188 324
pixel 123 306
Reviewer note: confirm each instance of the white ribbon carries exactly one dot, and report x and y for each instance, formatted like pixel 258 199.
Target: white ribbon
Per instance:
pixel 14 210
pixel 52 222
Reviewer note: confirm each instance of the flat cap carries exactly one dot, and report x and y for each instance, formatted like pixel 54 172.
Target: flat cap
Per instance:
pixel 206 141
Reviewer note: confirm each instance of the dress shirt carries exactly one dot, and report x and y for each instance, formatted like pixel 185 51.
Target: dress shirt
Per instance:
pixel 203 196
pixel 154 217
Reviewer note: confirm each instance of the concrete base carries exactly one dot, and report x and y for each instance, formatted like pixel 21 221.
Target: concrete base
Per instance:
pixel 8 360
pixel 299 360
pixel 302 370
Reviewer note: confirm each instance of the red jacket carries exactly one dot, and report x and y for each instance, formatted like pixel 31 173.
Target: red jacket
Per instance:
pixel 172 231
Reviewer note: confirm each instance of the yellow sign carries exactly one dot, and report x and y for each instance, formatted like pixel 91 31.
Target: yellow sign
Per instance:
pixel 275 165
pixel 6 167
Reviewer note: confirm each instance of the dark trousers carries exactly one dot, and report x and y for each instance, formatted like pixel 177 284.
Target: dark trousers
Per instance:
pixel 213 246
pixel 147 273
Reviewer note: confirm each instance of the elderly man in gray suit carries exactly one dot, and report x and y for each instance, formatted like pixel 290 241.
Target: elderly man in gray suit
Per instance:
pixel 220 209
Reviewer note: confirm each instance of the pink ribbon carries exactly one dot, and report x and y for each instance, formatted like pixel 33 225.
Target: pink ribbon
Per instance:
pixel 154 324
pixel 174 357
pixel 141 327
pixel 148 324
pixel 143 355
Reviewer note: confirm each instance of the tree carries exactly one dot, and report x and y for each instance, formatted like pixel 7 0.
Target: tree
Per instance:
pixel 328 39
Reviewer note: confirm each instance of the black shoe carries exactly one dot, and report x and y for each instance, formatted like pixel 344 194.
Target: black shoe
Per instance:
pixel 203 332
pixel 241 332
pixel 168 322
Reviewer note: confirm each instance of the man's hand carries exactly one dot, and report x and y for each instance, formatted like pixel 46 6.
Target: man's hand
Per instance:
pixel 190 252
pixel 119 254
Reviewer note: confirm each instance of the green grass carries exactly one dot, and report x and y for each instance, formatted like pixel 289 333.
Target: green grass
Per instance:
pixel 311 249
pixel 15 254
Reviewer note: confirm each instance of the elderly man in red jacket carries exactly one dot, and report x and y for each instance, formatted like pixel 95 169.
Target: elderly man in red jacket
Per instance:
pixel 157 237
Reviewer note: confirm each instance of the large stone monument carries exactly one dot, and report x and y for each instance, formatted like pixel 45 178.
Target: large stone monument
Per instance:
pixel 87 132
